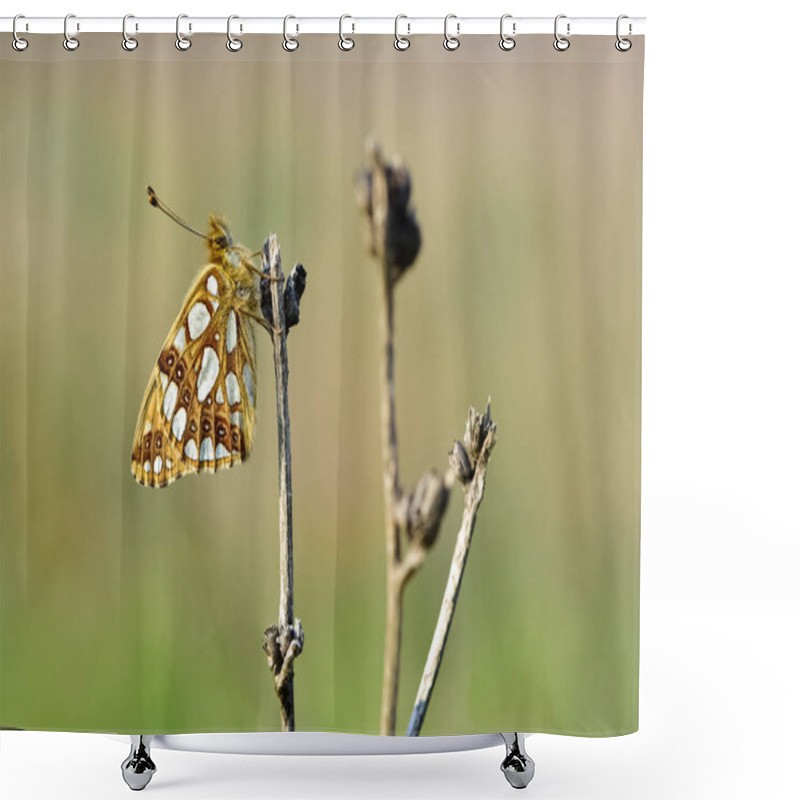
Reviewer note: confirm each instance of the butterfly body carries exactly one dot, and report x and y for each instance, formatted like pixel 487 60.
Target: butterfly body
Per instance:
pixel 198 411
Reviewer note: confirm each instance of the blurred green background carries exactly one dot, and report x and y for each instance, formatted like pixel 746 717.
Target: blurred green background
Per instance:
pixel 133 610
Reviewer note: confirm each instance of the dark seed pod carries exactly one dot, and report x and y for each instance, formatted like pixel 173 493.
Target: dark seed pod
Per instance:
pixel 272 648
pixel 427 508
pixel 461 463
pixel 295 286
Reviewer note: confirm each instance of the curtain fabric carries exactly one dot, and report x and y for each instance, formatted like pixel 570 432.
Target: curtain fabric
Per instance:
pixel 135 609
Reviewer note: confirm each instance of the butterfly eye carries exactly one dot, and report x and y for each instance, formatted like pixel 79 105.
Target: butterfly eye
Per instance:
pixel 221 242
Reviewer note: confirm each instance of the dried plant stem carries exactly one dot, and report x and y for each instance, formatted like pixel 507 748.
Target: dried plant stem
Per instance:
pixel 284 642
pixel 391 490
pixel 473 495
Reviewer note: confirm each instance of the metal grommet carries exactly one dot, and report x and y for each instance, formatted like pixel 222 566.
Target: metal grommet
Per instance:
pixel 560 43
pixel 129 43
pixel 401 42
pixel 623 45
pixel 18 43
pixel 507 42
pixel 181 42
pixel 451 42
pixel 70 42
pixel 233 44
pixel 290 43
pixel 345 43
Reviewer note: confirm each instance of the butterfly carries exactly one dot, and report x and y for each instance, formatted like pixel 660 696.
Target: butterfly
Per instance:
pixel 198 410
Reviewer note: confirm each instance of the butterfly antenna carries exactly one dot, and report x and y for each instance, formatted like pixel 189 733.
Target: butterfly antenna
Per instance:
pixel 159 204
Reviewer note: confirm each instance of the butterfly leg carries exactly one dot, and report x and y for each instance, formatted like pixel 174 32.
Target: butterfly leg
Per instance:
pixel 270 329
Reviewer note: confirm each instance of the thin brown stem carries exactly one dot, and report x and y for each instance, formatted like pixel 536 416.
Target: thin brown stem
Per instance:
pixel 284 641
pixel 473 494
pixel 391 490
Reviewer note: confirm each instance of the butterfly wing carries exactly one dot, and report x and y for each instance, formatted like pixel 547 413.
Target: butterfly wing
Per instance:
pixel 198 412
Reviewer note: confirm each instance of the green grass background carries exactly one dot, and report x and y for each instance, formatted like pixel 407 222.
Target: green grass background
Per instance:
pixel 132 610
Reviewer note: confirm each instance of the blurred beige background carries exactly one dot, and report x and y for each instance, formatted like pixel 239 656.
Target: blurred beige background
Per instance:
pixel 128 609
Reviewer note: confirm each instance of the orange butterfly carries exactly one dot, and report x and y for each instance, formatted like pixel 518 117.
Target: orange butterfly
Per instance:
pixel 198 412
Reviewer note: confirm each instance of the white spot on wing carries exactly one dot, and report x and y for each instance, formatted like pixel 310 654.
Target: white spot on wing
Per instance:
pixel 232 388
pixel 236 419
pixel 220 398
pixel 169 463
pixel 222 451
pixel 209 370
pixel 164 380
pixel 190 450
pixel 180 340
pixel 249 383
pixel 179 424
pixel 157 464
pixel 170 397
pixel 207 449
pixel 148 426
pixel 215 303
pixel 198 319
pixel 147 466
pixel 230 337
pixel 212 285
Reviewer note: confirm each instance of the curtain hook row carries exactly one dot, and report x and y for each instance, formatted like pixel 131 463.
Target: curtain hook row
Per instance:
pixel 451 41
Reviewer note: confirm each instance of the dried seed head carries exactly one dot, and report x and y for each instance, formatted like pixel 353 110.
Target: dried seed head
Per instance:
pixel 293 291
pixel 480 428
pixel 273 649
pixel 383 192
pixel 461 463
pixel 427 508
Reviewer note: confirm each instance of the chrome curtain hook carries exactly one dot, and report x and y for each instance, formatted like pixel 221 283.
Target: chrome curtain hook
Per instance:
pixel 346 43
pixel 129 43
pixel 401 42
pixel 451 42
pixel 290 43
pixel 507 42
pixel 560 43
pixel 623 45
pixel 233 44
pixel 18 43
pixel 70 42
pixel 181 42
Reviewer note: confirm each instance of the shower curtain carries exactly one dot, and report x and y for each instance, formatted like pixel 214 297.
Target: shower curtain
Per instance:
pixel 450 381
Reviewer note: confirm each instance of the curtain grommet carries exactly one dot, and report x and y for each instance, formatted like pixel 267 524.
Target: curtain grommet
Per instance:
pixel 623 45
pixel 70 42
pixel 507 42
pixel 181 41
pixel 290 43
pixel 450 42
pixel 129 43
pixel 17 42
pixel 561 43
pixel 233 44
pixel 346 43
pixel 401 43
